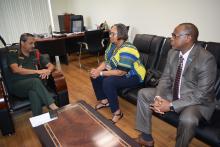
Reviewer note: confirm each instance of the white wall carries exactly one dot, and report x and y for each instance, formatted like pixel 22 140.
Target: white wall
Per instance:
pixel 157 17
pixel 58 7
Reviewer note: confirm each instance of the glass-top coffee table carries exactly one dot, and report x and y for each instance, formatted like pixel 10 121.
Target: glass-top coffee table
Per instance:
pixel 80 125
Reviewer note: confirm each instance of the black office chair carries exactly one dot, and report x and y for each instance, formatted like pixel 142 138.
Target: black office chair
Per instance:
pixel 92 44
pixel 105 39
pixel 77 23
pixel 155 73
pixel 149 48
pixel 143 43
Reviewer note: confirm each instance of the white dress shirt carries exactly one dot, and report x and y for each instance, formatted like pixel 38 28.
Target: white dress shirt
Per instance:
pixel 185 57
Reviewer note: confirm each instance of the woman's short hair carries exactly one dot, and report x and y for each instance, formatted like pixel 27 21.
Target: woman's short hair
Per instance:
pixel 122 31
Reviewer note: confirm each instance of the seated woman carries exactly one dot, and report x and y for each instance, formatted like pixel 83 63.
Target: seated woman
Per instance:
pixel 26 77
pixel 121 69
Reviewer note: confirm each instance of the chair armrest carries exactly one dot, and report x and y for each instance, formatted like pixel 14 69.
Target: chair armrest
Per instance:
pixel 83 44
pixel 102 42
pixel 59 81
pixel 3 96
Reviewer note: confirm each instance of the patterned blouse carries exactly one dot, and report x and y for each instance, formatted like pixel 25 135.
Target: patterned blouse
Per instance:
pixel 125 58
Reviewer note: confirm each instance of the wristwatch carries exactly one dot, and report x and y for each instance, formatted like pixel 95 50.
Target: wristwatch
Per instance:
pixel 101 73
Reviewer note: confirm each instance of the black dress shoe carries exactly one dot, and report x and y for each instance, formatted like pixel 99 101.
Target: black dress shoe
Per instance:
pixel 143 142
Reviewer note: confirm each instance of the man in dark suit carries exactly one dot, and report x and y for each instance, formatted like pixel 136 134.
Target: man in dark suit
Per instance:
pixel 186 87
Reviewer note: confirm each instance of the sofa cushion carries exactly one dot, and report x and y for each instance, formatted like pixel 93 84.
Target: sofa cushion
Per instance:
pixel 142 42
pixel 206 131
pixel 130 94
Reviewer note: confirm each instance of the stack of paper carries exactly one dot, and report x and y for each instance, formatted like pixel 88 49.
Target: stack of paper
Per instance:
pixel 41 119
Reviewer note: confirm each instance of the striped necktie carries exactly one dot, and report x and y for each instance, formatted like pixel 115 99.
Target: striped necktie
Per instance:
pixel 177 79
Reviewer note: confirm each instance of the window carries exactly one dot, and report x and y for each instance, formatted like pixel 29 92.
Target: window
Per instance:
pixel 20 16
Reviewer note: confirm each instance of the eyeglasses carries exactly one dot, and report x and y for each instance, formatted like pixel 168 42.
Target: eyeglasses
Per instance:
pixel 113 34
pixel 175 35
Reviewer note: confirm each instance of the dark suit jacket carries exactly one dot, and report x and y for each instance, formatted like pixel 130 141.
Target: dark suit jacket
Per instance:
pixel 198 79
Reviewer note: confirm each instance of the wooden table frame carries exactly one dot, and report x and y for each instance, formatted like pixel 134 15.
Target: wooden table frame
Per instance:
pixel 48 137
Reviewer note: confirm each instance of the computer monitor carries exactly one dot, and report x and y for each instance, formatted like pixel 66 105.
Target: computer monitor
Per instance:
pixel 77 26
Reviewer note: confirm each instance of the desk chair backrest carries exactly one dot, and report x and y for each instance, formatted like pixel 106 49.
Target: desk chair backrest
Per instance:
pixel 92 44
pixel 94 40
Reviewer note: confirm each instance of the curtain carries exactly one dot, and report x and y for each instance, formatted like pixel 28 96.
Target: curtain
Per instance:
pixel 23 16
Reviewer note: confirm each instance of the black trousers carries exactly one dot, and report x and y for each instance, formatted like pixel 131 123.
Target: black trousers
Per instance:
pixel 106 88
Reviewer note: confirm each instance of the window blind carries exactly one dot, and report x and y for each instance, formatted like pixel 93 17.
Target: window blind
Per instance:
pixel 22 16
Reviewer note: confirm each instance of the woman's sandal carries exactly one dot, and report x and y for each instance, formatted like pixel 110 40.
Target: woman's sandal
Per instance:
pixel 120 115
pixel 101 105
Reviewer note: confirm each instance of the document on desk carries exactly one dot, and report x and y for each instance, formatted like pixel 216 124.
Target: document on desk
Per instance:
pixel 75 33
pixel 41 119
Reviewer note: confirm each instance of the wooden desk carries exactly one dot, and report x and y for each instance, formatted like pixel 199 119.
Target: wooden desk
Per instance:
pixel 64 37
pixel 58 46
pixel 80 125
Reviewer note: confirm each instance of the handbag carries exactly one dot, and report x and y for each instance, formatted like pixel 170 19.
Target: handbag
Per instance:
pixel 153 77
